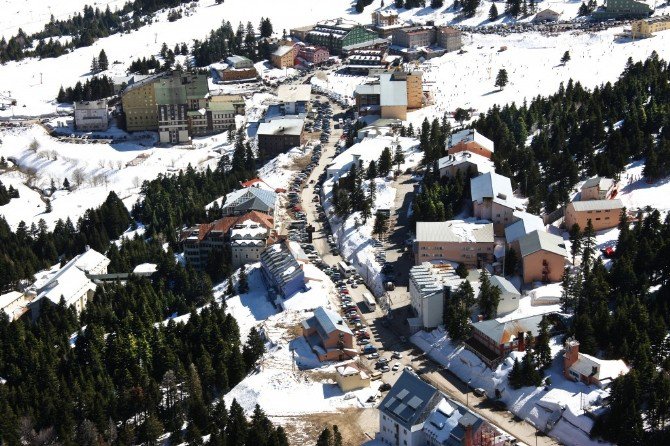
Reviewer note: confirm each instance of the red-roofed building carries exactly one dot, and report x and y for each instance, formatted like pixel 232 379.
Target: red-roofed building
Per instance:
pixel 247 235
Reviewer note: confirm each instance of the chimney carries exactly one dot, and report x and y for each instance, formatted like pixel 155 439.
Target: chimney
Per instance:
pixel 571 355
pixel 468 435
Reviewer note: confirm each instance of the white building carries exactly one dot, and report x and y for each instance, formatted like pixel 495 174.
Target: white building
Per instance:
pixel 464 162
pixel 247 241
pixel 70 282
pixel 14 304
pixel 91 116
pixel 509 295
pixel 294 97
pixel 428 285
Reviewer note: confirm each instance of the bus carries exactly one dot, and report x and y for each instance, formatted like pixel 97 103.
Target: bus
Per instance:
pixel 369 301
pixel 345 269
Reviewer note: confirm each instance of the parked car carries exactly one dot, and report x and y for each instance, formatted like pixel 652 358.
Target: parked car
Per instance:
pixel 478 391
pixel 374 355
pixel 385 387
pixel 396 367
pixel 396 355
pixel 363 341
pixel 385 369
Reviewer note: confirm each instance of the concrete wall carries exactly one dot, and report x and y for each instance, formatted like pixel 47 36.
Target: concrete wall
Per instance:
pixel 533 267
pixel 601 219
pixel 471 147
pixel 461 252
pixel 394 112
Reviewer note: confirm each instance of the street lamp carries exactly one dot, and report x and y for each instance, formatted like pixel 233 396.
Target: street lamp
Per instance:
pixel 467 394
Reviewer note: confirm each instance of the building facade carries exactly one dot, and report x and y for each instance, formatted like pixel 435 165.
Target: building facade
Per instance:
pixel 642 29
pixel 429 284
pixel 589 369
pixel 91 116
pixel 350 377
pixel 315 55
pixel 472 141
pixel 464 241
pixel 340 35
pixel 468 164
pixel 280 135
pixel 281 270
pixel 493 199
pixel 604 214
pixel 329 336
pixel 246 234
pixel 284 56
pixel 139 104
pixel 451 39
pixel 543 257
pixel 414 36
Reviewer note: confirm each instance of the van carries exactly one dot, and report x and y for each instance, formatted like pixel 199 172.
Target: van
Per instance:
pixel 375 376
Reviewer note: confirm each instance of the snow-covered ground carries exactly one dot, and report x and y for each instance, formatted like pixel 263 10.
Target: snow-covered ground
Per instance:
pixel 102 167
pixel 353 236
pixel 535 405
pixel 290 380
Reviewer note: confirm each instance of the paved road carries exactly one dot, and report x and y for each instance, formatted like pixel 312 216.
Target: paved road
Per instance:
pixel 391 337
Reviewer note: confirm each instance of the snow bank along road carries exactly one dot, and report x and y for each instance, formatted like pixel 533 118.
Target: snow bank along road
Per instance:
pixel 384 337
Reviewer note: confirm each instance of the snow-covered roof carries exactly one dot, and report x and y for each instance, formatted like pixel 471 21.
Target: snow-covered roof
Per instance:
pixel 526 224
pixel 350 370
pixel 145 268
pixel 600 369
pixel 505 285
pixel 459 231
pixel 328 321
pixel 471 135
pixel 504 332
pixel 596 205
pixel 542 241
pixel 282 50
pixel 289 126
pixel 368 89
pixel 294 93
pixel 91 261
pixel 248 230
pixel 494 186
pixel 484 165
pixel 393 92
pixel 251 198
pixel 69 282
pixel 601 182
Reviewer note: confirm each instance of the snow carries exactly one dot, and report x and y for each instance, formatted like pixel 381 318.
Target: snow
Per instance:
pixel 145 268
pixel 535 405
pixel 527 309
pixel 104 167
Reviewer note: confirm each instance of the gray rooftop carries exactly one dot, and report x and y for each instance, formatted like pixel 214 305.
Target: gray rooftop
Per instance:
pixel 527 223
pixel 251 198
pixel 504 332
pixel 90 105
pixel 292 127
pixel 410 400
pixel 597 205
pixel 329 321
pixel 471 135
pixel 542 241
pixel 491 185
pixel 504 285
pixel 459 231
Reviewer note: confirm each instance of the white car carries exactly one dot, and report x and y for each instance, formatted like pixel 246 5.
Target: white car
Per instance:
pixel 396 367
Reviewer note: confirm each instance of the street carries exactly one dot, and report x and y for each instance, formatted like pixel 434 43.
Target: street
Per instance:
pixel 390 335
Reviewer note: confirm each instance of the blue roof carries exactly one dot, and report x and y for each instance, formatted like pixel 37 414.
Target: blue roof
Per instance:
pixel 410 400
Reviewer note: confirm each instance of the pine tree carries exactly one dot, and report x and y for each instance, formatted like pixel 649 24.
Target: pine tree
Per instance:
pixel 565 58
pixel 95 66
pixel 48 206
pixel 103 63
pixel 325 438
pixel 493 13
pixel 575 241
pixel 385 162
pixel 489 296
pixel 436 4
pixel 501 79
pixel 242 281
pixel 398 156
pixel 542 349
pixel 66 184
